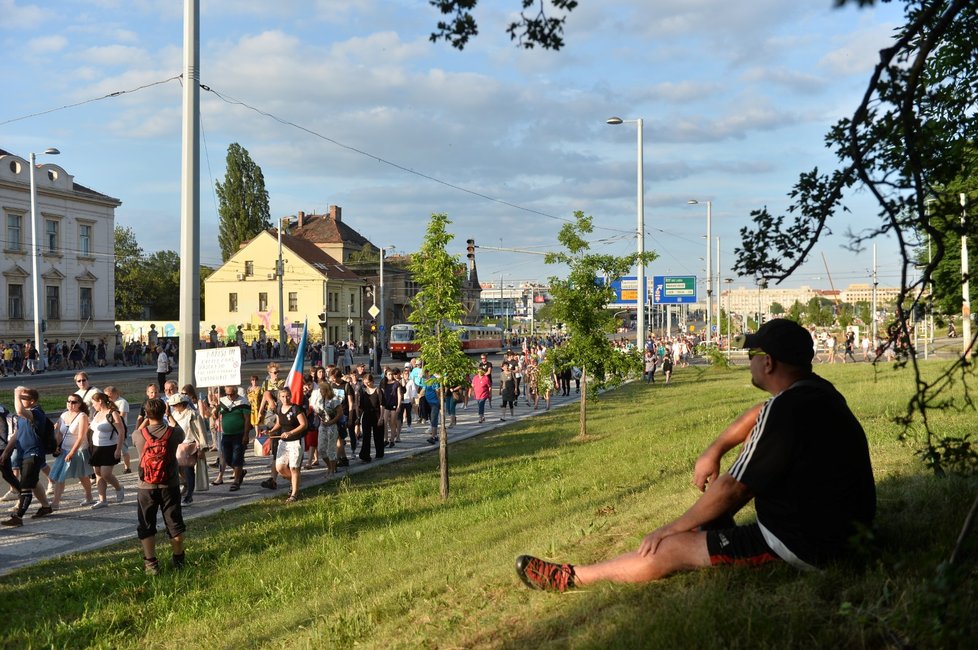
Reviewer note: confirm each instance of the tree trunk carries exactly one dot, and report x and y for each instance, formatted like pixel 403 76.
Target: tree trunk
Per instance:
pixel 583 418
pixel 443 446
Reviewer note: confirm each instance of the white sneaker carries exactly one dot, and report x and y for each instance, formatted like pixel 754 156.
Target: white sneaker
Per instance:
pixel 11 495
pixel 100 504
pixel 120 494
pixel 86 502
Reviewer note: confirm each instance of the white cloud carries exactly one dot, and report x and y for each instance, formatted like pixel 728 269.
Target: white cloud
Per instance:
pixel 47 44
pixel 796 80
pixel 115 55
pixel 21 16
pixel 857 52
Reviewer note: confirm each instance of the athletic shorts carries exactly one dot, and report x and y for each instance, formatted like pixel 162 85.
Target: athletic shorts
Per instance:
pixel 742 545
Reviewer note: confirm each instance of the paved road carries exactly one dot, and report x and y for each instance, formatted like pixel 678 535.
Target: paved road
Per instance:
pixel 75 528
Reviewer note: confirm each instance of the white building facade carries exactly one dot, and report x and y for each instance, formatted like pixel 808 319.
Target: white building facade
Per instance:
pixel 76 254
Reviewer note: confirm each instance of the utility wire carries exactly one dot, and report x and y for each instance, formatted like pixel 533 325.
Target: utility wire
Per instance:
pixel 237 102
pixel 117 93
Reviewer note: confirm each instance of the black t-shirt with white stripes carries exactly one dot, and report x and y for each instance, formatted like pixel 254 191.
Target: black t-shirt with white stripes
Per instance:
pixel 807 463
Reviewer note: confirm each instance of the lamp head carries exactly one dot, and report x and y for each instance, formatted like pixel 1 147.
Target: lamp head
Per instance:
pixel 692 202
pixel 51 151
pixel 614 120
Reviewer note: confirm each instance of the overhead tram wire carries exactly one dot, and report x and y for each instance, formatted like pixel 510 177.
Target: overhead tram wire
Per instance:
pixel 237 102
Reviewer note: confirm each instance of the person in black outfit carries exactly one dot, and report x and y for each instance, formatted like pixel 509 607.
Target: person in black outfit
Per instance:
pixel 804 461
pixel 371 424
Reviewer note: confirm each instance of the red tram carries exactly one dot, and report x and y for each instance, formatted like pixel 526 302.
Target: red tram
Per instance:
pixel 476 339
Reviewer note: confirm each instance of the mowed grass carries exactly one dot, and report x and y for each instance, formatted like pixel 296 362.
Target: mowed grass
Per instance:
pixel 379 561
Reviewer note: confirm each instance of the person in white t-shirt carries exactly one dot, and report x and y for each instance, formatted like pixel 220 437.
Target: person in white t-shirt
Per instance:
pixel 123 405
pixel 162 368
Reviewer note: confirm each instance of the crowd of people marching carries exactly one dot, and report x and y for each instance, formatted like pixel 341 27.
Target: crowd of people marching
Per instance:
pixel 183 441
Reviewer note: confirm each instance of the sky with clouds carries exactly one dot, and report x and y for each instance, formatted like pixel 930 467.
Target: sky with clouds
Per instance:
pixel 736 98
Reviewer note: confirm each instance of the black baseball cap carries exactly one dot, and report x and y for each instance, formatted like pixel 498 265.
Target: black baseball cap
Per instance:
pixel 783 339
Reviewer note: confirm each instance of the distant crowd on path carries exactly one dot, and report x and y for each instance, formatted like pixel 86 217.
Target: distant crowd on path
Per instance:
pixel 179 438
pixel 22 358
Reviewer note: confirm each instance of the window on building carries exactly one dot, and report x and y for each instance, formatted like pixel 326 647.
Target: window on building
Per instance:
pixel 232 302
pixel 15 224
pixel 263 301
pixel 85 303
pixel 52 295
pixel 352 299
pixel 249 268
pixel 51 232
pixel 84 240
pixel 15 301
pixel 293 301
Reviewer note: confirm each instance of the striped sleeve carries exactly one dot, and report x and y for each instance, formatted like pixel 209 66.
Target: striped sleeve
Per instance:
pixel 743 460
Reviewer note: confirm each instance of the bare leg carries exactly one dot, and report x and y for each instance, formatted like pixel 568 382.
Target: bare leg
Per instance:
pixel 680 552
pixel 86 484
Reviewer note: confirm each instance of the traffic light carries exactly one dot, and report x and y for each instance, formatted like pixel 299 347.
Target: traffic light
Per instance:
pixel 470 248
pixel 373 327
pixel 322 319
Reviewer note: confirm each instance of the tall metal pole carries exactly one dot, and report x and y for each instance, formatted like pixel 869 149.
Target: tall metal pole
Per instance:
pixel 381 332
pixel 875 283
pixel 965 293
pixel 640 328
pixel 35 262
pixel 709 272
pixel 640 214
pixel 279 272
pixel 190 196
pixel 719 290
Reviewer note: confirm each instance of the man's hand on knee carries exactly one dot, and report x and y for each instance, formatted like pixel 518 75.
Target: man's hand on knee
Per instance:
pixel 650 543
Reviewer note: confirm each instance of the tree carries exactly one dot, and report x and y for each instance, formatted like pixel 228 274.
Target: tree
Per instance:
pixel 948 230
pixel 529 31
pixel 242 202
pixel 910 138
pixel 797 312
pixel 129 293
pixel 818 313
pixel 435 308
pixel 580 302
pixel 161 273
pixel 776 308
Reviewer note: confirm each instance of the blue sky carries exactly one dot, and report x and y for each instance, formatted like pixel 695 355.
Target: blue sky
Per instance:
pixel 736 98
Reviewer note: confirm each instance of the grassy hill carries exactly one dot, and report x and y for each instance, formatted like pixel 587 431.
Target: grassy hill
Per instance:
pixel 378 560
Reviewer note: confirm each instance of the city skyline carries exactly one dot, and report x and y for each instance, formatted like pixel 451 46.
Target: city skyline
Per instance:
pixel 508 142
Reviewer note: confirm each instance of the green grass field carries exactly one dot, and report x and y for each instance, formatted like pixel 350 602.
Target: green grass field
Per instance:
pixel 380 561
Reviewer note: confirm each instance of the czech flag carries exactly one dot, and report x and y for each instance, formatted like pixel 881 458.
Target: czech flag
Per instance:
pixel 294 380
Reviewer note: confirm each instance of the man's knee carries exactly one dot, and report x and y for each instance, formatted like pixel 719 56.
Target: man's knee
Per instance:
pixel 680 552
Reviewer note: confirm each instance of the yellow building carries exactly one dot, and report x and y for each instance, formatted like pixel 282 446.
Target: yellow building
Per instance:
pixel 243 294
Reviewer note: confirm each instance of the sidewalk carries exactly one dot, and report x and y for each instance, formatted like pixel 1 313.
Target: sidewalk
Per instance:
pixel 74 528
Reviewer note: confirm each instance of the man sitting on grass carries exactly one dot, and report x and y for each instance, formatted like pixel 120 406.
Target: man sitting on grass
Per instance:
pixel 804 461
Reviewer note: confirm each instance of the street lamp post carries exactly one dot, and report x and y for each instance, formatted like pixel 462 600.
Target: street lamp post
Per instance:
pixel 35 278
pixel 728 281
pixel 640 212
pixel 383 313
pixel 709 269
